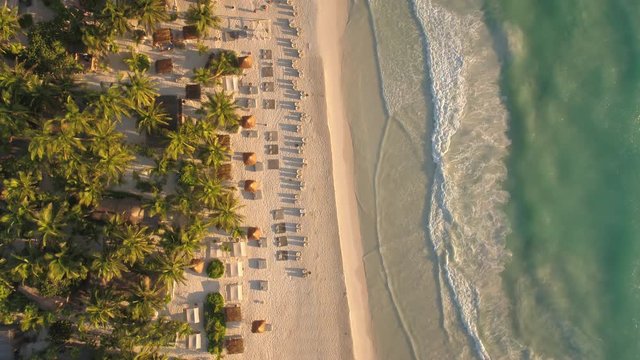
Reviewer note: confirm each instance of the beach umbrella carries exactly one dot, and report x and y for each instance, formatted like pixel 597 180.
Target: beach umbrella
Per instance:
pixel 246 62
pixel 254 233
pixel 248 122
pixel 258 326
pixel 251 186
pixel 197 265
pixel 249 158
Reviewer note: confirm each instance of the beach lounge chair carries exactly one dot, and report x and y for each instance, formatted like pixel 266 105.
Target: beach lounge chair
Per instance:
pixel 239 249
pixel 234 292
pixel 235 269
pixel 273 164
pixel 259 166
pixel 194 341
pixel 281 241
pixel 192 315
pixel 269 104
pixel 266 54
pixel 278 214
pixel 280 228
pixel 271 135
pixel 272 149
pixel 251 134
pixel 263 285
pixel 261 263
pixel 257 195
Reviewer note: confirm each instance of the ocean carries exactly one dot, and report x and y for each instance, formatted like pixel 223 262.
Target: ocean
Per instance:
pixel 496 161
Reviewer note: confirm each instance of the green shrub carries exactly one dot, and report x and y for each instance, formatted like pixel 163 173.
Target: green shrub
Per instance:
pixel 214 322
pixel 138 62
pixel 26 21
pixel 215 270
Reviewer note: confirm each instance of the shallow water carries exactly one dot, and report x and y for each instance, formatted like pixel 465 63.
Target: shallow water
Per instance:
pixel 496 164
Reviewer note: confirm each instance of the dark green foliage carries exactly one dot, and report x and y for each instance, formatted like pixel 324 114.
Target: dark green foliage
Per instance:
pixel 215 269
pixel 214 322
pixel 46 54
pixel 60 331
pixel 26 21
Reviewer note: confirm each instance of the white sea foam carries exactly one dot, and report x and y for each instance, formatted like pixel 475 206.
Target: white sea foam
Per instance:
pixel 466 225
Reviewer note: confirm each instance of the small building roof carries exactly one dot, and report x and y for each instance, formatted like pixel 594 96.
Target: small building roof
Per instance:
pixel 161 36
pixel 193 91
pixel 130 208
pixel 232 313
pixel 190 32
pixel 164 66
pixel 234 345
pixel 172 106
pixel 224 172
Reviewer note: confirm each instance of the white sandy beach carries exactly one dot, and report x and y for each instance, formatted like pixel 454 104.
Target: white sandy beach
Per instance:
pixel 324 315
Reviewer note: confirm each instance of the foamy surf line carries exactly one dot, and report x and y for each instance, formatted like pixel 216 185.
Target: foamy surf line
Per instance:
pixel 443 37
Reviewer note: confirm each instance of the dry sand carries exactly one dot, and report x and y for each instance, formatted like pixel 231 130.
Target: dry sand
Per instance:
pixel 325 315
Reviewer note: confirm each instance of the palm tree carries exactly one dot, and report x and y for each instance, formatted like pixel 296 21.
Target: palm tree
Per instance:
pixel 225 63
pixel 220 109
pixel 138 62
pixel 63 265
pixel 113 163
pixel 152 118
pixel 114 17
pixel 203 76
pixel 180 143
pixel 225 214
pixel 144 301
pixel 110 104
pixel 135 243
pixel 102 308
pixel 21 189
pixel 108 267
pixel 159 206
pixel 214 152
pixel 9 25
pixel 170 268
pixel 98 42
pixel 150 13
pixel 50 224
pixel 25 267
pixel 202 16
pixel 210 191
pixel 140 90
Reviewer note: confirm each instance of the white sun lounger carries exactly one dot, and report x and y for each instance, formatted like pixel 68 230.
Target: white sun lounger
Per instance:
pixel 194 341
pixel 193 315
pixel 235 269
pixel 239 249
pixel 234 292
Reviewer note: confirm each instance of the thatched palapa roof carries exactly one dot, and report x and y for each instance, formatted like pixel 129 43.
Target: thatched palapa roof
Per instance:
pixel 234 345
pixel 248 122
pixel 258 326
pixel 130 209
pixel 245 62
pixel 254 233
pixel 172 106
pixel 249 158
pixel 197 265
pixel 232 313
pixel 251 186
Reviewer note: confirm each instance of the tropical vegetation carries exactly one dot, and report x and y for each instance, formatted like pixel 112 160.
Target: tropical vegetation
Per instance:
pixel 214 322
pixel 215 269
pixel 94 274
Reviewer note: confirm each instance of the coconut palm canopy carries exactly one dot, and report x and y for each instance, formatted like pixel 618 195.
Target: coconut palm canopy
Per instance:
pixel 82 237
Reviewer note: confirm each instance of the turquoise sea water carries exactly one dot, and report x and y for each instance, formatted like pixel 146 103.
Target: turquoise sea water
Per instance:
pixel 497 148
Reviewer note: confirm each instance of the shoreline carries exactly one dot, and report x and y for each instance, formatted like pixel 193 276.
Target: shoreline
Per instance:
pixel 331 20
